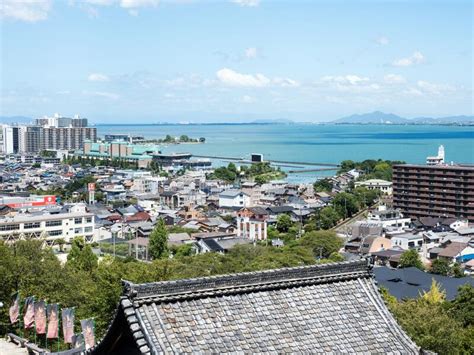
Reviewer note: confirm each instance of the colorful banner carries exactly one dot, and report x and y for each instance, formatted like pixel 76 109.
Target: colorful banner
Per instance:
pixel 29 316
pixel 77 341
pixel 14 310
pixel 40 317
pixel 87 326
pixel 52 312
pixel 68 324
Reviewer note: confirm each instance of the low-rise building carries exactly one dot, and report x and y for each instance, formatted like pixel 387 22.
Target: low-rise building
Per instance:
pixel 252 223
pixel 376 184
pixel 233 199
pixel 72 221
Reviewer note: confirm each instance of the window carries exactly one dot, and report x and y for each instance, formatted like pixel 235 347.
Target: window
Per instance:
pixel 78 230
pixel 9 227
pixel 54 223
pixel 89 220
pixel 78 220
pixel 88 230
pixel 55 233
pixel 31 225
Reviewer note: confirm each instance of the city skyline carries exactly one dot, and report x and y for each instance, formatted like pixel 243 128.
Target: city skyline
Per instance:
pixel 148 61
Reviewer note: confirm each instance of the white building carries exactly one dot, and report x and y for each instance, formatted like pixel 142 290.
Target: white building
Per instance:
pixel 388 218
pixel 148 185
pixel 252 223
pixel 407 241
pixel 44 225
pixel 437 160
pixel 376 184
pixel 234 199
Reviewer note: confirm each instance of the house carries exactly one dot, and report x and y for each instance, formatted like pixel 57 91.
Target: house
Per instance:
pixel 252 223
pixel 373 244
pixel 406 240
pixel 327 308
pixel 233 199
pixel 376 184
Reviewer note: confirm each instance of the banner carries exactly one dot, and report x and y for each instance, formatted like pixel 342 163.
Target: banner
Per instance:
pixel 68 324
pixel 40 317
pixel 14 310
pixel 52 312
pixel 29 316
pixel 87 326
pixel 77 341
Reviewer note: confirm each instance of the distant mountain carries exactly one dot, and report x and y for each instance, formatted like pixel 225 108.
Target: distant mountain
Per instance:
pixel 276 121
pixel 373 117
pixel 378 117
pixel 15 119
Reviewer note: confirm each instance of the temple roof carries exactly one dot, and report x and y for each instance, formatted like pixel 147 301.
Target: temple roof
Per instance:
pixel 315 309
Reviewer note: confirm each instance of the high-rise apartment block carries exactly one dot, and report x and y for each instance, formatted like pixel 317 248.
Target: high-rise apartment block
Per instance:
pixel 434 190
pixel 48 133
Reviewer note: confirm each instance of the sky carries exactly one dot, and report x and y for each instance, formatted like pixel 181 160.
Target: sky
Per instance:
pixel 127 61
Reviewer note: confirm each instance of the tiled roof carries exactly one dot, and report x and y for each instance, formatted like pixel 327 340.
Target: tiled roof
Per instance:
pixel 329 308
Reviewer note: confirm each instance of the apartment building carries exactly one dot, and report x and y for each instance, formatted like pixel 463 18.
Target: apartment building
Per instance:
pixel 434 190
pixel 72 221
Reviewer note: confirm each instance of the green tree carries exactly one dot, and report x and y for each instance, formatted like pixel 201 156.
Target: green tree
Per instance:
pixel 81 257
pixel 158 243
pixel 410 258
pixel 346 204
pixel 323 185
pixel 440 266
pixel 321 243
pixel 462 307
pixel 328 218
pixel 284 223
pixel 456 271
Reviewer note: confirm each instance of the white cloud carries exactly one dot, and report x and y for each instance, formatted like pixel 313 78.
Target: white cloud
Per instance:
pixel 247 3
pixel 105 94
pixel 434 89
pixel 133 12
pixel 383 41
pixel 251 53
pixel 345 79
pixel 232 78
pixel 394 79
pixel 100 2
pixel 415 58
pixel 246 99
pixel 98 77
pixel 25 10
pixel 132 4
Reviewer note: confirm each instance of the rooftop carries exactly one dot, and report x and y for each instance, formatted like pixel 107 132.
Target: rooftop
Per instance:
pixel 330 308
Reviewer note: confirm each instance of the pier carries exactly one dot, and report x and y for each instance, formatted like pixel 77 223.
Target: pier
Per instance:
pixel 293 163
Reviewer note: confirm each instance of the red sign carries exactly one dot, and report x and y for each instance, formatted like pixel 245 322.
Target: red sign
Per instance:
pixel 44 201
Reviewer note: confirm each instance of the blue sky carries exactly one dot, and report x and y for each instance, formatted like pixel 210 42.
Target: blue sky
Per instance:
pixel 188 61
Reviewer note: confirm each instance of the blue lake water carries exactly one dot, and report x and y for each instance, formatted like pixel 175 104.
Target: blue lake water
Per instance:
pixel 315 143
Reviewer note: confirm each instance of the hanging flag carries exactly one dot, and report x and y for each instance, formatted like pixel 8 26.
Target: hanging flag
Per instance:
pixel 14 310
pixel 29 316
pixel 77 341
pixel 87 326
pixel 40 317
pixel 68 324
pixel 52 312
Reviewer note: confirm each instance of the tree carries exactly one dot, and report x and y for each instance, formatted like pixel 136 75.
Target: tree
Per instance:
pixel 456 271
pixel 158 243
pixel 61 243
pixel 440 267
pixel 81 257
pixel 321 243
pixel 323 185
pixel 462 307
pixel 410 258
pixel 328 218
pixel 346 204
pixel 283 223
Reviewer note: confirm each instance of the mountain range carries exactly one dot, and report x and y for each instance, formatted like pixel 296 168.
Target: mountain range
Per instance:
pixel 378 117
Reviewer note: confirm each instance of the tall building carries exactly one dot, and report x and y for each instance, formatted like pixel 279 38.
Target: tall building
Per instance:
pixel 49 133
pixel 434 190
